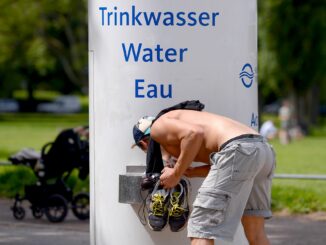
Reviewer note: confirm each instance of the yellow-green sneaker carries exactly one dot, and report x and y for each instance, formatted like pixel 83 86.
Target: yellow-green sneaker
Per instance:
pixel 157 207
pixel 179 206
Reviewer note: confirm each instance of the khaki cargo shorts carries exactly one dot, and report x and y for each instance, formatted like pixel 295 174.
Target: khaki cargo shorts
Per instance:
pixel 239 183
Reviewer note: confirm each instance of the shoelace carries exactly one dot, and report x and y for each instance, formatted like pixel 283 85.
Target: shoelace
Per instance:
pixel 141 211
pixel 175 209
pixel 158 205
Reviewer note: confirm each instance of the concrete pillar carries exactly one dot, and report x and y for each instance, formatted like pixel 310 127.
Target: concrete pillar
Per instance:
pixel 145 55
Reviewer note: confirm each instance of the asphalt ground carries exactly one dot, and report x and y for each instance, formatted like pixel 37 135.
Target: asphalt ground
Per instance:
pixel 281 229
pixel 297 230
pixel 31 231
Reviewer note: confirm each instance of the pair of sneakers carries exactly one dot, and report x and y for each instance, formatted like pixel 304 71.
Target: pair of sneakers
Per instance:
pixel 168 206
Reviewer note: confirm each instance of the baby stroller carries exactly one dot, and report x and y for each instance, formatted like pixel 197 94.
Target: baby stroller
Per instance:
pixel 52 167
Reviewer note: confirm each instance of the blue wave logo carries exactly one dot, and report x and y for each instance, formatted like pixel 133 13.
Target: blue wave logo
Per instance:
pixel 247 75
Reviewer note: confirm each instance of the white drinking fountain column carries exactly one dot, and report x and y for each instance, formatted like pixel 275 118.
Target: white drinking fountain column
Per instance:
pixel 146 55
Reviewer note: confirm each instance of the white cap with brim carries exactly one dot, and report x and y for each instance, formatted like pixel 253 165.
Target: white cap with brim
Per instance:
pixel 142 129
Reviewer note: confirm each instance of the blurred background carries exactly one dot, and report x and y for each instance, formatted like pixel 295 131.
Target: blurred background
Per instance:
pixel 44 108
pixel 44 90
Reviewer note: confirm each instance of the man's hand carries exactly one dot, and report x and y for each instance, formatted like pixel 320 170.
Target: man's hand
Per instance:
pixel 168 178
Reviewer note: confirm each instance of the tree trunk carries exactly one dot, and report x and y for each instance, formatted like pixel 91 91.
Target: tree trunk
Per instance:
pixel 299 110
pixel 314 97
pixel 306 108
pixel 30 105
pixel 30 91
pixel 295 108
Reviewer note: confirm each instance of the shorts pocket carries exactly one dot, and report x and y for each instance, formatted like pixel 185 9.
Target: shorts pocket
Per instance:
pixel 210 208
pixel 245 164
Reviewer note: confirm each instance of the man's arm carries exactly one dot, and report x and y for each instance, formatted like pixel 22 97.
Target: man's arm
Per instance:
pixel 200 171
pixel 168 160
pixel 187 138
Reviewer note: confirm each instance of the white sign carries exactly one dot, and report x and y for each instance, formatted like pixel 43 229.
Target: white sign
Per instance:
pixel 144 56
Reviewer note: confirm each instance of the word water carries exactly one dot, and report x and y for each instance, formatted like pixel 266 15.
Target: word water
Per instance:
pixel 138 53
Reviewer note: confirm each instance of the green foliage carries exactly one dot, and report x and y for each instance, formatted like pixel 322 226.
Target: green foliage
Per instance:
pixel 320 129
pixel 76 184
pixel 46 95
pixel 292 54
pixel 43 44
pixel 49 95
pixel 299 196
pixel 292 44
pixel 13 179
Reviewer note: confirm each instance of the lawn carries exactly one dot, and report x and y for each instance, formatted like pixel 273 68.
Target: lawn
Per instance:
pixel 22 130
pixel 305 156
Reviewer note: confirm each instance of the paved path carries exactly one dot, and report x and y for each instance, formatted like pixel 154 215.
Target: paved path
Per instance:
pixel 30 231
pixel 297 230
pixel 282 230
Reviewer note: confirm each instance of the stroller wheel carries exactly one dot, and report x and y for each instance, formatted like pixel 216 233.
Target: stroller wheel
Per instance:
pixel 37 212
pixel 18 212
pixel 56 208
pixel 80 206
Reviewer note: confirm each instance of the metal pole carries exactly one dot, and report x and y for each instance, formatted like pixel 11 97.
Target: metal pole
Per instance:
pixel 300 176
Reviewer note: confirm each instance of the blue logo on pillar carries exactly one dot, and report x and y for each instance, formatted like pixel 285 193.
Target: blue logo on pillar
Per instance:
pixel 247 75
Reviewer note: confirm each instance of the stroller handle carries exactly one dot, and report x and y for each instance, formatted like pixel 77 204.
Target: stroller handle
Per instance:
pixel 45 148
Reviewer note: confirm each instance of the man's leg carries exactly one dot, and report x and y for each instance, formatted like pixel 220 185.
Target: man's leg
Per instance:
pixel 254 227
pixel 201 241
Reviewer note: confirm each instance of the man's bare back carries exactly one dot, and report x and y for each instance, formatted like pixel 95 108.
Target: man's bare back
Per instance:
pixel 173 127
pixel 192 136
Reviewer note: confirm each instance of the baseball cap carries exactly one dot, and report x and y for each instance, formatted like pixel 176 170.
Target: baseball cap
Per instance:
pixel 142 128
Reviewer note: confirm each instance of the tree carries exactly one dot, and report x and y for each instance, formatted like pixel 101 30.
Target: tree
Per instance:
pixel 43 43
pixel 292 49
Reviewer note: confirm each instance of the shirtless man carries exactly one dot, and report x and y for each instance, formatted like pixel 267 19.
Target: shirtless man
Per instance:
pixel 238 163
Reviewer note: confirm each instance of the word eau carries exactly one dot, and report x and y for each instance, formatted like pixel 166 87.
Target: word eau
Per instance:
pixel 151 90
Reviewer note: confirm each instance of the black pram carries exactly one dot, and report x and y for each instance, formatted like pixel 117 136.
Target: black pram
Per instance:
pixel 52 167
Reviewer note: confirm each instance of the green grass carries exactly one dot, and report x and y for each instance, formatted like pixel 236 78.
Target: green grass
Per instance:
pixel 22 130
pixel 305 156
pixel 299 196
pixel 13 179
